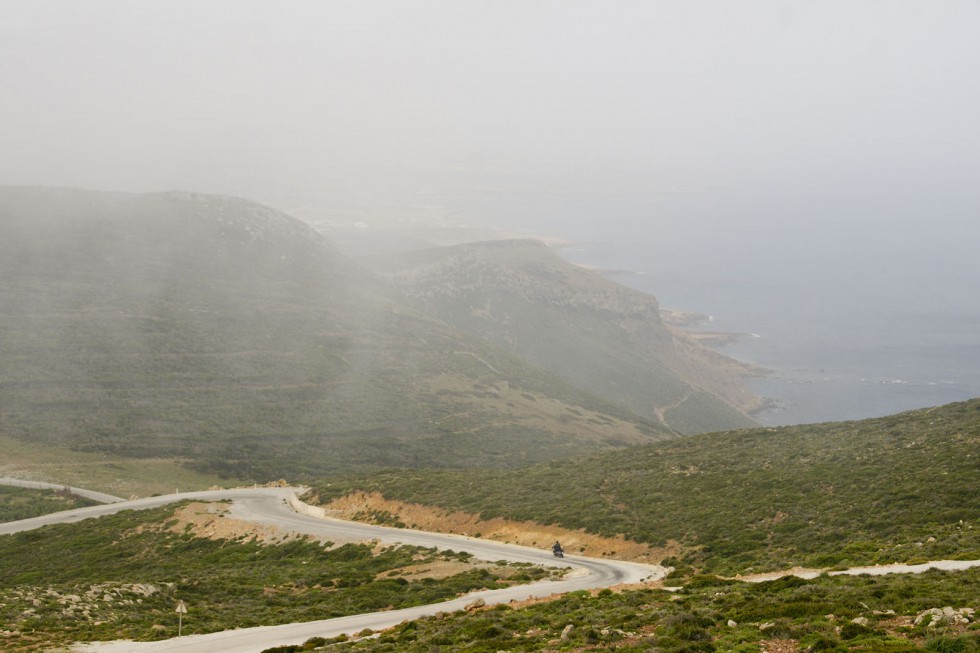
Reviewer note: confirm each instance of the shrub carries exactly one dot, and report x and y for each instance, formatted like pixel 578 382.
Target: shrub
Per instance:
pixel 954 644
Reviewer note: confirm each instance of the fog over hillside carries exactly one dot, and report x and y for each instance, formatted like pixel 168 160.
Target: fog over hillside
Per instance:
pixel 807 172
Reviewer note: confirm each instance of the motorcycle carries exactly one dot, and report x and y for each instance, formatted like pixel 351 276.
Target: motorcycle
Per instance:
pixel 558 552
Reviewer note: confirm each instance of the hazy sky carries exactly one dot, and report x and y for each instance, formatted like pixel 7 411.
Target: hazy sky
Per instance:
pixel 694 112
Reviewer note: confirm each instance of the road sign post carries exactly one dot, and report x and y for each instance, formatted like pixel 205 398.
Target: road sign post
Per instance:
pixel 181 611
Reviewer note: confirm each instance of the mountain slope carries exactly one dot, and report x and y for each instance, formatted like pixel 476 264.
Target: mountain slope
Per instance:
pixel 597 334
pixel 892 489
pixel 223 331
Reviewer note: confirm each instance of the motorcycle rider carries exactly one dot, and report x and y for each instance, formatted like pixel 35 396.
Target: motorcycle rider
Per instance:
pixel 556 548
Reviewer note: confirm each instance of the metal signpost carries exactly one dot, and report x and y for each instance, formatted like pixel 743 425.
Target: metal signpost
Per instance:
pixel 181 611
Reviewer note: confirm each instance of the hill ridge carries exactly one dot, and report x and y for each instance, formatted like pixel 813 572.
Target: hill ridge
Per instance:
pixel 229 334
pixel 580 325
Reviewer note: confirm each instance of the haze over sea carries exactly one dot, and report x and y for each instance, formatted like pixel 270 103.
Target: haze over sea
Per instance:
pixel 853 322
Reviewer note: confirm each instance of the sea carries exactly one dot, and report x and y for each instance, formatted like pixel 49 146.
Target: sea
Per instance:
pixel 856 312
pixel 837 345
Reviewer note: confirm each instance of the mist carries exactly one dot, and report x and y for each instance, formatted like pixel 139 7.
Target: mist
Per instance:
pixel 831 149
pixel 760 104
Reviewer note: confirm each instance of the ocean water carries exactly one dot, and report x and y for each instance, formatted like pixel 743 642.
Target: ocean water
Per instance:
pixel 862 300
pixel 847 338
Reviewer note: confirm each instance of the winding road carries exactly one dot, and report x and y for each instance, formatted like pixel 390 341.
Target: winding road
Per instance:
pixel 270 506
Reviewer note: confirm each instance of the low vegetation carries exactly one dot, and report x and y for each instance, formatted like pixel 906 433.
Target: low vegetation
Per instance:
pixel 123 575
pixel 117 475
pixel 22 503
pixel 894 489
pixel 841 613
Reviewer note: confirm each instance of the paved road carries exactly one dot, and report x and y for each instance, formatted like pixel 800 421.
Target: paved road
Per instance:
pixel 101 497
pixel 270 506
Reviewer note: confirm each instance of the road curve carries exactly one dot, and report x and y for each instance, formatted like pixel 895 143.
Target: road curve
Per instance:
pixel 270 506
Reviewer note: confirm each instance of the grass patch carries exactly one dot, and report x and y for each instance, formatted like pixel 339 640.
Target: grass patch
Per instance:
pixel 117 475
pixel 23 503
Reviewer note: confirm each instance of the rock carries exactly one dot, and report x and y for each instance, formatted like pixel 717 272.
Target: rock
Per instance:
pixel 766 626
pixel 732 623
pixel 945 616
pixel 932 614
pixel 565 631
pixel 479 603
pixel 861 621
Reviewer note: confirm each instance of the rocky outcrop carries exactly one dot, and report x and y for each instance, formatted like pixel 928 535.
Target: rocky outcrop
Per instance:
pixel 947 616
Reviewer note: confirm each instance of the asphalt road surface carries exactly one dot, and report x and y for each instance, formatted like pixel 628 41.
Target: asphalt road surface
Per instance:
pixel 270 506
pixel 101 497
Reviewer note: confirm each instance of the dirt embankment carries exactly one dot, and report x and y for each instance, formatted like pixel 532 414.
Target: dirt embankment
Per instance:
pixel 374 508
pixel 211 520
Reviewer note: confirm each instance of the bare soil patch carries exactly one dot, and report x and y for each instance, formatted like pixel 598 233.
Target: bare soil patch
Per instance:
pixel 211 520
pixel 779 646
pixel 361 506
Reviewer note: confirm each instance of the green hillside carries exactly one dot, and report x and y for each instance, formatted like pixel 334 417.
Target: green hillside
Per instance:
pixel 222 332
pixel 892 489
pixel 789 614
pixel 580 325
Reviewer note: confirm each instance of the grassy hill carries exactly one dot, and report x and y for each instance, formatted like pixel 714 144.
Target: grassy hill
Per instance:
pixel 221 332
pixel 894 489
pixel 578 324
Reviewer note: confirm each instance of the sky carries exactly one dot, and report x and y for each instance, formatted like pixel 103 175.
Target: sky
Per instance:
pixel 689 114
